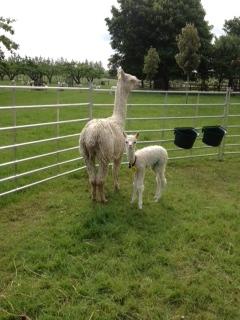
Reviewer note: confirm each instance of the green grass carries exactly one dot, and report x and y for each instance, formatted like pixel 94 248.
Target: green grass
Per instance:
pixel 63 257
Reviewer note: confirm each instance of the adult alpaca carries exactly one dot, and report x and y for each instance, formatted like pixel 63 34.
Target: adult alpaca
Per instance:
pixel 103 140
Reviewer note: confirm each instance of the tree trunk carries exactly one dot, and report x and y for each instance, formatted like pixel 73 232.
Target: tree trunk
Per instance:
pixel 161 83
pixel 49 77
pixel 230 82
pixel 187 88
pixel 219 83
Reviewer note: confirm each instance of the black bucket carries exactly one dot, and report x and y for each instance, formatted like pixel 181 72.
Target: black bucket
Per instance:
pixel 213 135
pixel 185 137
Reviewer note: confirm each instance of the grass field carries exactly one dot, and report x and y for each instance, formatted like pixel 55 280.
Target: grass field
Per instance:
pixel 62 257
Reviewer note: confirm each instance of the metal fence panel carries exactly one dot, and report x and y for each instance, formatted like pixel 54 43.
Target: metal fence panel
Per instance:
pixel 58 149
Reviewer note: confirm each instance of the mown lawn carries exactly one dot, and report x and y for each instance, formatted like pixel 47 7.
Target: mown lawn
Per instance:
pixel 63 257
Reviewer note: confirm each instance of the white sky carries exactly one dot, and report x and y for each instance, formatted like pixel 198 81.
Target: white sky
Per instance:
pixel 76 29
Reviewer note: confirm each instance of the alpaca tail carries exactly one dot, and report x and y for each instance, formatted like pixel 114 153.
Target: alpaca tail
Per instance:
pixel 95 143
pixel 87 143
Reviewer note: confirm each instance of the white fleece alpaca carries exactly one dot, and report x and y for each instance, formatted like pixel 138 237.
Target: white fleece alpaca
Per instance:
pixel 152 156
pixel 103 140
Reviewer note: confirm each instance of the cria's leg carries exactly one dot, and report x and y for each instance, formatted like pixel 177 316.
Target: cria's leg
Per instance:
pixel 158 188
pixel 102 172
pixel 116 167
pixel 140 186
pixel 161 181
pixel 134 192
pixel 162 176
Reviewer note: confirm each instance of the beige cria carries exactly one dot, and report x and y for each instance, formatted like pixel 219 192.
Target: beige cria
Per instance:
pixel 155 157
pixel 102 140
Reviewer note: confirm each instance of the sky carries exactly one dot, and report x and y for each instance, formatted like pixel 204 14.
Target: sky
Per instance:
pixel 76 29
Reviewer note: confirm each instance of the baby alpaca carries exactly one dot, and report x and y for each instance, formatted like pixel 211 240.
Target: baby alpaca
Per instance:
pixel 153 156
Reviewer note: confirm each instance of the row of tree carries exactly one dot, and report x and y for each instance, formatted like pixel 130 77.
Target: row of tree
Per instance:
pixel 39 70
pixel 152 39
pixel 137 26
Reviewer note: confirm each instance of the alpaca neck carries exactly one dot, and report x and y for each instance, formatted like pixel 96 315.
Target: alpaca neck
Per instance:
pixel 131 156
pixel 120 103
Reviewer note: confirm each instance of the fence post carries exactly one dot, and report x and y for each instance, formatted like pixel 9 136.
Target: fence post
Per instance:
pixel 14 132
pixel 195 115
pixel 90 99
pixel 58 128
pixel 225 122
pixel 165 112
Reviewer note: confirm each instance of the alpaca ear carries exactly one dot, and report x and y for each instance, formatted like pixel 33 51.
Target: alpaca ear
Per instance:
pixel 125 135
pixel 120 73
pixel 137 135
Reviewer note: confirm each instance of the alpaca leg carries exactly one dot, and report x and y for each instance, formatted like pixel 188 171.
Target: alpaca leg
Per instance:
pixel 102 172
pixel 91 169
pixel 161 182
pixel 158 187
pixel 134 192
pixel 140 187
pixel 116 167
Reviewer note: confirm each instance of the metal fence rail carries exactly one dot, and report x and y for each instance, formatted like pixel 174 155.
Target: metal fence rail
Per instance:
pixel 18 167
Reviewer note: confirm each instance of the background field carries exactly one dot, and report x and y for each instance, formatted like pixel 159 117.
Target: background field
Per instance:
pixel 62 257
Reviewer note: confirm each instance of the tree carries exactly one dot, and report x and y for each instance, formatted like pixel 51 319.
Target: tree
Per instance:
pixel 74 72
pixel 188 43
pixel 151 63
pixel 137 25
pixel 6 42
pixel 48 68
pixel 32 68
pixel 232 26
pixel 93 71
pixel 11 67
pixel 225 56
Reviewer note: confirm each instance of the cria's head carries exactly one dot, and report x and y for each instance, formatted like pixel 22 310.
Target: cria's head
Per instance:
pixel 131 140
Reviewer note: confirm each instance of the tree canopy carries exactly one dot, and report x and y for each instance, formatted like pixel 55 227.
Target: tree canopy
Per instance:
pixel 5 41
pixel 151 63
pixel 226 54
pixel 232 26
pixel 188 43
pixel 138 25
pixel 38 68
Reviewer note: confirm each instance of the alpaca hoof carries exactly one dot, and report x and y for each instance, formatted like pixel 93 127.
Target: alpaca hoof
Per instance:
pixel 116 188
pixel 104 201
pixel 156 198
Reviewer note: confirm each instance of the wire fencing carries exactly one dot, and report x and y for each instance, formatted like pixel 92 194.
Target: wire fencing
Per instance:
pixel 39 142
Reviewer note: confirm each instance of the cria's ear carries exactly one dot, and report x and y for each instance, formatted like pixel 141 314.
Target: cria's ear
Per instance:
pixel 137 135
pixel 120 73
pixel 125 135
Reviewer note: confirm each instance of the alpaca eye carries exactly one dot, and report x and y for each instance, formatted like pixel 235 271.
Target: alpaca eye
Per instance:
pixel 134 142
pixel 126 142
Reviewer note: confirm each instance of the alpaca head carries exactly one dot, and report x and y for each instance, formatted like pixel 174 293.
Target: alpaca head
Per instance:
pixel 130 142
pixel 128 81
